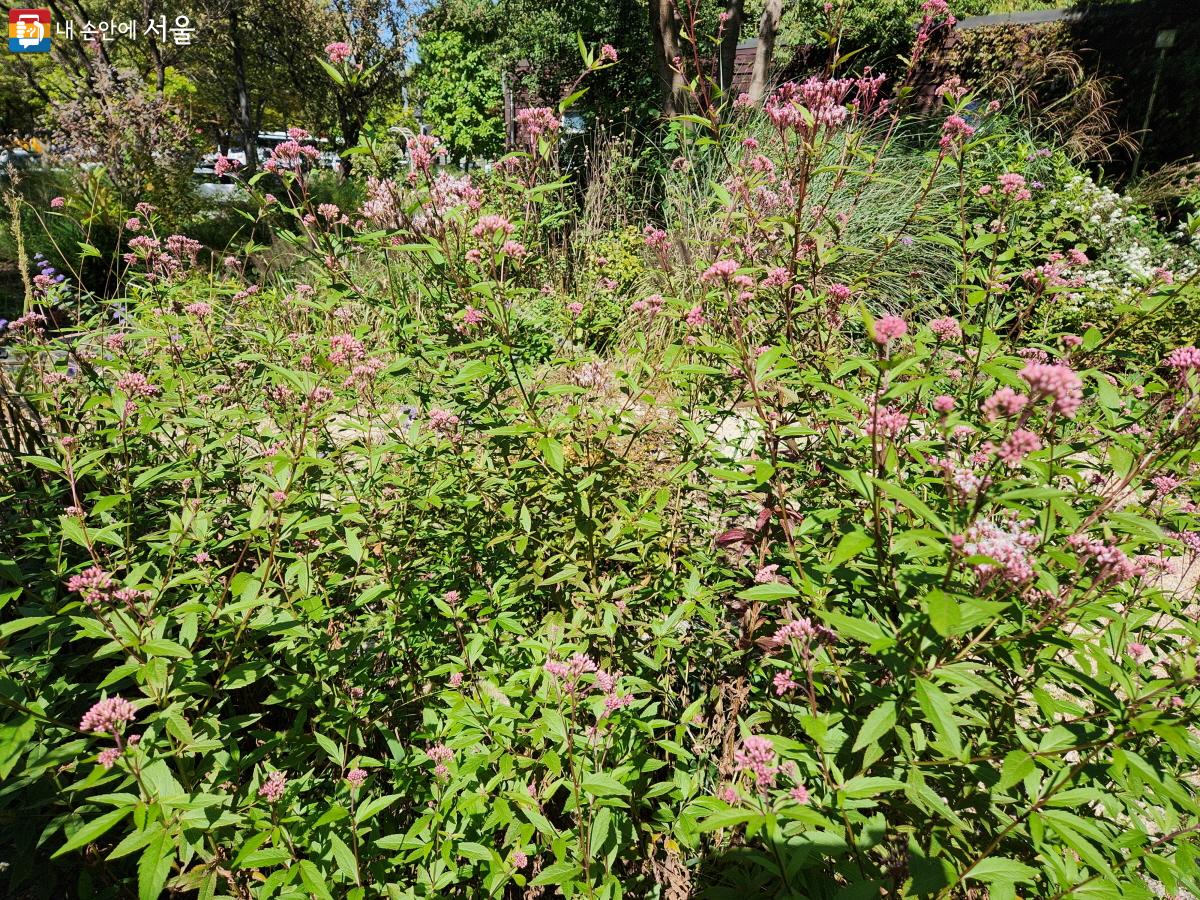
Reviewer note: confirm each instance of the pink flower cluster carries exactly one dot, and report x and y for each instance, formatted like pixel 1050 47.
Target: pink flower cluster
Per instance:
pixel 955 130
pixel 1113 564
pixel 756 756
pixel 784 683
pixel 536 121
pixel 443 422
pixel 345 348
pixel 651 306
pixel 135 384
pixel 800 633
pixel 1017 446
pixel 32 321
pixel 569 674
pixel 1183 360
pixel 331 214
pixel 291 155
pixel 1055 272
pixel 272 789
pixel 946 329
pixel 162 262
pixel 222 167
pixel 768 575
pixel 889 328
pixel 338 52
pixel 1138 652
pixel 964 482
pixel 440 754
pixel 107 715
pixel 722 269
pixel 364 372
pixel 656 239
pixel 490 225
pixel 780 277
pixel 356 777
pixel 1164 484
pixel 93 584
pixel 1004 403
pixel 887 421
pixel 1057 382
pixel 1008 547
pixel 824 103
pixel 569 671
pixel 1012 184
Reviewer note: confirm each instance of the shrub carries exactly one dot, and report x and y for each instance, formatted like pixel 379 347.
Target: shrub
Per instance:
pixel 330 582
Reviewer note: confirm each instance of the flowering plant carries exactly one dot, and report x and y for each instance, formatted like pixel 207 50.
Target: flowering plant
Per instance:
pixel 322 582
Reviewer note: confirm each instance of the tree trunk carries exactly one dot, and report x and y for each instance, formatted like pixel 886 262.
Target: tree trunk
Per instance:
pixel 664 25
pixel 160 70
pixel 245 118
pixel 729 42
pixel 768 27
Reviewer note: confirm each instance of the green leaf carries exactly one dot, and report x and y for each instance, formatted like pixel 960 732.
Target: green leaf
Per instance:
pixel 857 628
pixel 766 593
pixel 374 806
pixel 332 750
pixel 154 866
pixel 1017 765
pixel 332 72
pixel 344 857
pixel 999 868
pixel 601 785
pixel 164 647
pixel 72 529
pixel 881 721
pixel 728 818
pixel 552 452
pixel 314 880
pixel 559 873
pixel 474 851
pixel 940 713
pixel 851 544
pixel 601 826
pixel 14 736
pixel 912 503
pixel 354 546
pixel 870 786
pixel 92 830
pixel 944 613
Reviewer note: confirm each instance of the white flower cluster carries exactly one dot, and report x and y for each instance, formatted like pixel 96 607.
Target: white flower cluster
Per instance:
pixel 1103 212
pixel 1188 233
pixel 1125 263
